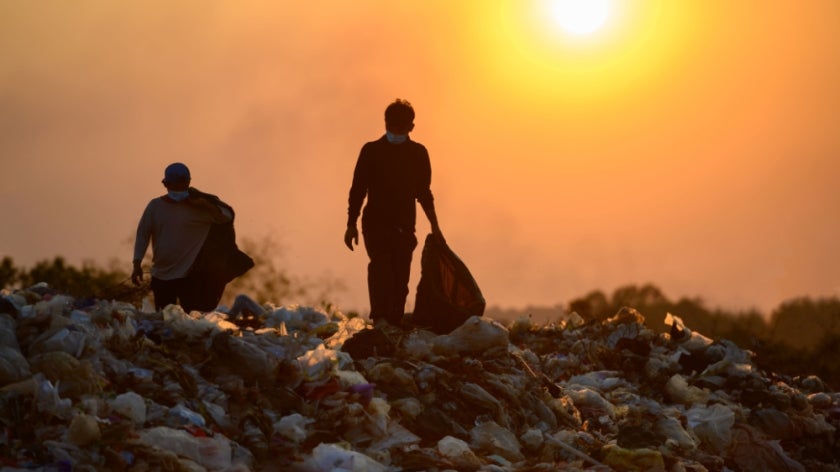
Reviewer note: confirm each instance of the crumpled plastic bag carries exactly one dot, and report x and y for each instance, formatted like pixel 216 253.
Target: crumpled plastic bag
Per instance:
pixel 459 452
pixel 712 425
pixel 335 458
pixel 48 399
pixel 293 427
pixel 214 452
pixel 13 366
pixel 130 405
pixel 319 363
pixel 491 438
pixel 474 336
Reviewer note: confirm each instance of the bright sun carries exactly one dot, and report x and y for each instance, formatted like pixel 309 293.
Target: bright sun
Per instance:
pixel 581 17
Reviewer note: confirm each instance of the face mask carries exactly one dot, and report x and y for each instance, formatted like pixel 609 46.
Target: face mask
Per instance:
pixel 178 196
pixel 395 138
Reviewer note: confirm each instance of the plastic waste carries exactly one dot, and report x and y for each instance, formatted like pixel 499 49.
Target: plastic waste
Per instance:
pixel 602 380
pixel 68 339
pixel 13 366
pixel 214 452
pixel 130 405
pixel 49 401
pixel 684 337
pixel 641 460
pixel 459 453
pixel 675 433
pixel 820 400
pixel 712 425
pixel 410 407
pixel 180 415
pixel 474 336
pixel 75 377
pixel 532 439
pixel 54 306
pixel 751 451
pixel 393 436
pixel 584 397
pixel 335 458
pixel 8 334
pixel 83 430
pixel 491 438
pixel 293 427
pixel 480 397
pixel 678 390
pixel 318 363
pixel 565 395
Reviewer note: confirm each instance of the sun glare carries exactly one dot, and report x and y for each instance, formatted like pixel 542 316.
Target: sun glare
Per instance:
pixel 581 17
pixel 538 52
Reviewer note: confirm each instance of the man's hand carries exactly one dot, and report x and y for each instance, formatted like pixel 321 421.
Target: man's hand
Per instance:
pixel 351 235
pixel 137 274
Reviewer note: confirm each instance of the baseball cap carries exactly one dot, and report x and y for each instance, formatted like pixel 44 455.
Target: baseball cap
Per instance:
pixel 176 172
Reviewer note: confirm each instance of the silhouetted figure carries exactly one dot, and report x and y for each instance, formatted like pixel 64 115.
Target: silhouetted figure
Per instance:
pixel 392 172
pixel 194 252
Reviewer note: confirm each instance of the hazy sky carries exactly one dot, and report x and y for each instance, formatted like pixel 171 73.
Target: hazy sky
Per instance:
pixel 691 144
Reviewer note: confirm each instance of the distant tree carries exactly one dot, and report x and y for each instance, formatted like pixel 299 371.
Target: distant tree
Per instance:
pixel 9 274
pixel 647 295
pixel 748 330
pixel 802 322
pixel 648 299
pixel 592 306
pixel 88 282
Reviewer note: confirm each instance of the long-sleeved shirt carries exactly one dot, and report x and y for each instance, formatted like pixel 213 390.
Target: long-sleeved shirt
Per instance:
pixel 393 177
pixel 177 230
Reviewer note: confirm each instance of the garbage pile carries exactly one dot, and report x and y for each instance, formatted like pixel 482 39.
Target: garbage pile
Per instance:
pixel 102 385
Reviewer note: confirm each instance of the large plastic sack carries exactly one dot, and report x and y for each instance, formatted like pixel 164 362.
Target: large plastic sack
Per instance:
pixel 220 260
pixel 447 294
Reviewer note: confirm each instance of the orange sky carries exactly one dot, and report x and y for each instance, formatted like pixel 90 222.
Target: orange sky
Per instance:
pixel 691 144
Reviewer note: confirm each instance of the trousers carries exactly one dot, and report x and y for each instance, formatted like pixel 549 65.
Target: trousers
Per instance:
pixel 389 250
pixel 194 293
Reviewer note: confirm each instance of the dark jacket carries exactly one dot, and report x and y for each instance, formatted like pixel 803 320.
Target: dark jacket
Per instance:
pixel 393 177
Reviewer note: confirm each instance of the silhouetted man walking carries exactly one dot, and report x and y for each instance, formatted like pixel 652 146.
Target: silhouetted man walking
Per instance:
pixel 392 172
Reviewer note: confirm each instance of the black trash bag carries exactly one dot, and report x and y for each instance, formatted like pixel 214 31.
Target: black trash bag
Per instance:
pixel 220 257
pixel 220 260
pixel 447 294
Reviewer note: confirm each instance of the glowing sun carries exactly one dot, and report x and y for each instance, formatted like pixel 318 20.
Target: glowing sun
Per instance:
pixel 581 17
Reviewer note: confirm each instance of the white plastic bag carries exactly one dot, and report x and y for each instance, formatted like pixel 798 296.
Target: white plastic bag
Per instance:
pixel 334 458
pixel 712 425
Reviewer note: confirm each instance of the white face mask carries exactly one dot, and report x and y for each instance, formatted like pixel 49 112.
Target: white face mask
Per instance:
pixel 178 195
pixel 395 138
